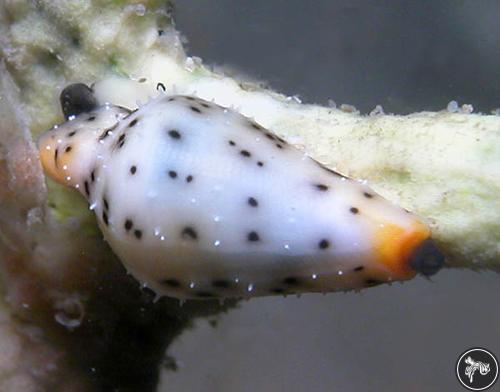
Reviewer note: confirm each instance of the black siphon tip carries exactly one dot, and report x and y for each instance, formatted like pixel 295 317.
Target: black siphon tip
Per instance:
pixel 427 259
pixel 77 98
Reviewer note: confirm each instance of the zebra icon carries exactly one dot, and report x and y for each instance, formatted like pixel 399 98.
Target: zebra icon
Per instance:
pixel 477 369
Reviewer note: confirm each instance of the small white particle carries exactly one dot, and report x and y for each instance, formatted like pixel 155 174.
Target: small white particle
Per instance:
pixel 156 298
pixel 377 111
pixel 191 285
pixel 236 280
pixel 286 246
pixel 314 276
pixel 340 273
pixel 162 238
pixel 70 312
pixel 217 243
pixel 332 104
pixel 294 98
pixel 216 218
pixel 452 107
pixel 157 231
pixel 47 147
pixel 250 287
pixel 59 141
pixel 190 64
pixel 68 178
pixel 71 118
pixel 65 167
pixel 77 186
pixel 348 108
pixel 467 108
pixel 193 200
pixel 93 206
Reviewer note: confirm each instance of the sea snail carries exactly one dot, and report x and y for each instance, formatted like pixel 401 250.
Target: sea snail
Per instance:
pixel 199 201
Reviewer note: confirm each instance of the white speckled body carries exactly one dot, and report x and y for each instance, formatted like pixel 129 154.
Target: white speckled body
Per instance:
pixel 199 201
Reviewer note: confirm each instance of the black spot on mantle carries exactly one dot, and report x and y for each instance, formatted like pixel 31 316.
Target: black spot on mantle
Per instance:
pixel 189 233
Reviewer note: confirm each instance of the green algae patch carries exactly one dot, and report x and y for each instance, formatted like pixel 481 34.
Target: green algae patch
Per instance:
pixel 67 204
